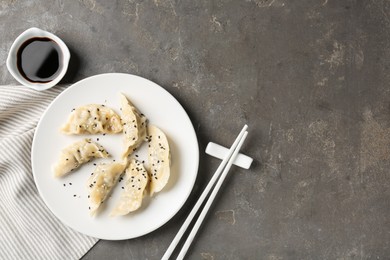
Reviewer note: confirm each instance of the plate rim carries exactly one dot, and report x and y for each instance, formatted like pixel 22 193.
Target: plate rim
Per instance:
pixel 147 231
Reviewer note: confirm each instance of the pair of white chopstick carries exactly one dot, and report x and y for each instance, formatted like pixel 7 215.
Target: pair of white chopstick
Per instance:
pixel 224 167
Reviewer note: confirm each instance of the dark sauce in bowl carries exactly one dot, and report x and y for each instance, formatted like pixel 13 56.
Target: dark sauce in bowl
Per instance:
pixel 39 60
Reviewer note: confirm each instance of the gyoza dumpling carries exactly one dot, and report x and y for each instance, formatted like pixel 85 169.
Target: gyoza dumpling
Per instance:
pixel 159 157
pixel 134 126
pixel 92 119
pixel 102 181
pixel 135 181
pixel 76 154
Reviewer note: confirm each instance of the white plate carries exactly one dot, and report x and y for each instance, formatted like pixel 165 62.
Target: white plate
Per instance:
pixel 70 203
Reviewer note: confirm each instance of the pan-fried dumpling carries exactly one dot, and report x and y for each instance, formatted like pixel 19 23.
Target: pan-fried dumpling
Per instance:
pixel 134 126
pixel 102 181
pixel 76 154
pixel 159 157
pixel 135 181
pixel 92 119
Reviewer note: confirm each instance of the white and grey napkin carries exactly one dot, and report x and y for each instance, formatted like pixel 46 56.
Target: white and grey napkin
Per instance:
pixel 28 230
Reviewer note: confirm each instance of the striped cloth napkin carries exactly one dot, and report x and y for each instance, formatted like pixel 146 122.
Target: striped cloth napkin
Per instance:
pixel 28 230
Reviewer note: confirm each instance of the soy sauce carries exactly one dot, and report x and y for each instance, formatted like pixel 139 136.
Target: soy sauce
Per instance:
pixel 39 59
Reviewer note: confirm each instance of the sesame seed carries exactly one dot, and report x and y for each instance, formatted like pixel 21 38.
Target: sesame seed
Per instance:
pixel 64 184
pixel 74 195
pixel 70 183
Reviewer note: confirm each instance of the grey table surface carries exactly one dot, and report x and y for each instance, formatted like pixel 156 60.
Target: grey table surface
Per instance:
pixel 310 78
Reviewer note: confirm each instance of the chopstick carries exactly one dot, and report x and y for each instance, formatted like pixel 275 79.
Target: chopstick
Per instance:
pixel 227 161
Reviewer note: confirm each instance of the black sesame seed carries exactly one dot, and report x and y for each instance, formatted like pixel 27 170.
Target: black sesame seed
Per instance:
pixel 74 195
pixel 98 110
pixel 97 139
pixel 64 184
pixel 132 185
pixel 139 188
pixel 136 155
pixel 89 196
pixel 70 183
pixel 67 159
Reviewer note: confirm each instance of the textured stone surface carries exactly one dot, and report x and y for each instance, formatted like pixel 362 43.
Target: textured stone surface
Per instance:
pixel 310 78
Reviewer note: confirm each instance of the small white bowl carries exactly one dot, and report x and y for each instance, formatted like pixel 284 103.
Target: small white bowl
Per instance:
pixel 12 58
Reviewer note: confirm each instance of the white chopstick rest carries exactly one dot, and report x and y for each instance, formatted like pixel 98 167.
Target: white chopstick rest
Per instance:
pixel 226 161
pixel 220 152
